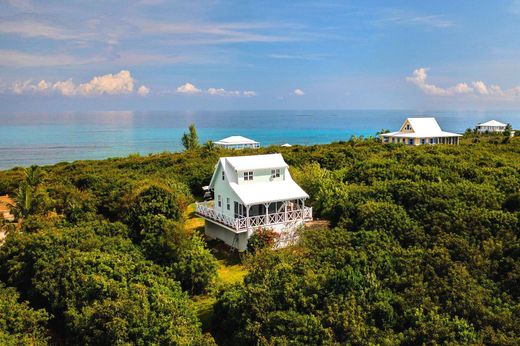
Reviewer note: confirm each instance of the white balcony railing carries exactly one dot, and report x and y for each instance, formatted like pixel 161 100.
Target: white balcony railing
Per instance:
pixel 243 223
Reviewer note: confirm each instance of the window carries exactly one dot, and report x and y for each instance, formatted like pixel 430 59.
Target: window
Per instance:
pixel 423 141
pixel 275 173
pixel 223 175
pixel 219 201
pixel 385 139
pixel 393 140
pixel 431 141
pixel 240 210
pixel 248 176
pixel 410 141
pixel 228 204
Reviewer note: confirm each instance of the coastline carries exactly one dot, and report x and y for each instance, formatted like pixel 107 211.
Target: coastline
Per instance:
pixel 49 138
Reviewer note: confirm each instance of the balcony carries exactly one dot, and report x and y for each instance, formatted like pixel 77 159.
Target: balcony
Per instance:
pixel 242 224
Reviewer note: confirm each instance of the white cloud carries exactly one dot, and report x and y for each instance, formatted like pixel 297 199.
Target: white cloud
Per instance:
pixel 22 59
pixel 121 83
pixel 223 92
pixel 188 88
pixel 407 18
pixel 66 88
pixel 477 88
pixel 30 28
pixel 298 92
pixel 191 89
pixel 480 87
pixel 110 84
pixel 143 90
pixel 209 33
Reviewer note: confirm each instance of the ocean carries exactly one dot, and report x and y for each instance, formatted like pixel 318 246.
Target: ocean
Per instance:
pixel 47 138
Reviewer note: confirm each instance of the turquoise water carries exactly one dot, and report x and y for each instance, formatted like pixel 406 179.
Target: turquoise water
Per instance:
pixel 46 138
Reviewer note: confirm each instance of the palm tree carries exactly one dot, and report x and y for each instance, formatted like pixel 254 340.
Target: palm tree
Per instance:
pixel 25 196
pixel 209 145
pixel 380 132
pixel 33 176
pixel 507 131
pixel 190 140
pixel 24 200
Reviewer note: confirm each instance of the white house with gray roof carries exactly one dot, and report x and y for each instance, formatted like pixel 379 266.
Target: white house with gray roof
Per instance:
pixel 252 192
pixel 491 126
pixel 237 142
pixel 420 131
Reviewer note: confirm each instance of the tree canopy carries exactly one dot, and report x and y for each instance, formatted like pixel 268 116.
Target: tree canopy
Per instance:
pixel 423 248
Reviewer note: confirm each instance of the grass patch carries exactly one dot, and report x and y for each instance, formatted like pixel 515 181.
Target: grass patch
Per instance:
pixel 230 274
pixel 192 222
pixel 230 268
pixel 204 307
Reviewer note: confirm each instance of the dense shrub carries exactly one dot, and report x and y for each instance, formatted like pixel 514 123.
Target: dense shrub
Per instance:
pixel 262 238
pixel 19 323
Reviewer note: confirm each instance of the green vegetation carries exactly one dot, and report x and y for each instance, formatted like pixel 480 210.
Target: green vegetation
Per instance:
pixel 423 248
pixel 262 238
pixel 20 324
pixel 190 140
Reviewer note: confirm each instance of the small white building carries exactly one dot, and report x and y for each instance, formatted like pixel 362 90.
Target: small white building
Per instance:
pixel 252 192
pixel 491 126
pixel 420 131
pixel 237 142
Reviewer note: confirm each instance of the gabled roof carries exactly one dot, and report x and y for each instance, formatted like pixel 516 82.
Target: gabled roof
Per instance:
pixel 246 163
pixel 425 126
pixel 252 162
pixel 235 140
pixel 258 192
pixel 492 123
pixel 422 127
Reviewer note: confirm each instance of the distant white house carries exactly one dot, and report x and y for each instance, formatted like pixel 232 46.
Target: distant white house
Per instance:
pixel 286 145
pixel 420 131
pixel 237 142
pixel 491 126
pixel 252 192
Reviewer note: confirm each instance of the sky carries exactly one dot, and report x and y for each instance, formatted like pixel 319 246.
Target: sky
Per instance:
pixel 196 55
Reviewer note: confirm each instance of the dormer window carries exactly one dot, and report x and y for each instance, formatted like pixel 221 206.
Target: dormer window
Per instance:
pixel 248 176
pixel 275 173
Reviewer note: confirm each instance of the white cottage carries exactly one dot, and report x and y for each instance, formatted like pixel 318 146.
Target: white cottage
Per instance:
pixel 491 126
pixel 420 131
pixel 237 142
pixel 252 192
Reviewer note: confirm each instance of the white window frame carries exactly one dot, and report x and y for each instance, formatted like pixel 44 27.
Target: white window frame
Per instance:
pixel 228 203
pixel 275 173
pixel 248 176
pixel 223 175
pixel 219 201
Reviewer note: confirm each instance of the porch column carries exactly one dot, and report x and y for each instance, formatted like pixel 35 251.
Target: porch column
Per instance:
pixel 247 217
pixel 285 211
pixel 266 205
